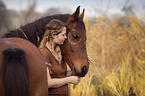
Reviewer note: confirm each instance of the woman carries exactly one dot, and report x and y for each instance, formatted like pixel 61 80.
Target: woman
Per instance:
pixel 55 36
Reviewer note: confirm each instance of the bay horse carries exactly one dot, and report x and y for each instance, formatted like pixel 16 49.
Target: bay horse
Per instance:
pixel 74 48
pixel 22 69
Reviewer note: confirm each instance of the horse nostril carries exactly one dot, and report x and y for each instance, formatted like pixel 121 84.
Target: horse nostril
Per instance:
pixel 84 69
pixel 83 72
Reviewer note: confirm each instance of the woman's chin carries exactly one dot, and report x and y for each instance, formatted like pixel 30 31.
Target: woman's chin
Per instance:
pixel 60 44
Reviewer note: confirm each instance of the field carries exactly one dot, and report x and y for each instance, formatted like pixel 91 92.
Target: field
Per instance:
pixel 117 51
pixel 116 47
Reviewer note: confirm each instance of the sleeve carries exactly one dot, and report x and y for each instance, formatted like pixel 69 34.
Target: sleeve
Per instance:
pixel 47 58
pixel 46 55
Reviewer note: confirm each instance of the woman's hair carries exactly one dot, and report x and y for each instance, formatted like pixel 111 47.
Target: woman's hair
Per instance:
pixel 52 28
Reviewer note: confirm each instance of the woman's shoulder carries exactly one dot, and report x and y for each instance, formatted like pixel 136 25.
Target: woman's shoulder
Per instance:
pixel 45 51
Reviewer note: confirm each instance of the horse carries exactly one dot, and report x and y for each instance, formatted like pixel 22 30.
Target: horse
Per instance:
pixel 22 69
pixel 74 48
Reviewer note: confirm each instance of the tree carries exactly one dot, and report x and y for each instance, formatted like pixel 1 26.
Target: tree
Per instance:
pixel 4 18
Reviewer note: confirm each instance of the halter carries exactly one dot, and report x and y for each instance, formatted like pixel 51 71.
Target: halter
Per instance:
pixel 23 33
pixel 38 38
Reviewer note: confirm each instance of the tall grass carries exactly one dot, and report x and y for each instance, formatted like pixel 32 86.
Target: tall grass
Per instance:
pixel 117 49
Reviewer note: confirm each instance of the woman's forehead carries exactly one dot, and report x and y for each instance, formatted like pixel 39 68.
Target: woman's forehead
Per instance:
pixel 63 28
pixel 63 31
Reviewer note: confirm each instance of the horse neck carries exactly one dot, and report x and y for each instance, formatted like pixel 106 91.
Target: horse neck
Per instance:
pixel 35 30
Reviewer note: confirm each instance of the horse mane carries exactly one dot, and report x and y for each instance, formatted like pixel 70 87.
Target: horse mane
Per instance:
pixel 34 31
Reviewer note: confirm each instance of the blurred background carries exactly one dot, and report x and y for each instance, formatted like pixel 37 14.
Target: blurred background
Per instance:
pixel 115 40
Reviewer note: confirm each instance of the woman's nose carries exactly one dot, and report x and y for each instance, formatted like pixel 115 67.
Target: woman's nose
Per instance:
pixel 65 37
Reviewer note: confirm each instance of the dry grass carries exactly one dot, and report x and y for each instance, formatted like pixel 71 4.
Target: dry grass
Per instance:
pixel 117 49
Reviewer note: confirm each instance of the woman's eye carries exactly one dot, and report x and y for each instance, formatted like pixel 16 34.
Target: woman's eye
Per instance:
pixel 64 35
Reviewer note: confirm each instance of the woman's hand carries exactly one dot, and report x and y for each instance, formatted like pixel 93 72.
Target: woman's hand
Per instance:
pixel 74 79
pixel 89 59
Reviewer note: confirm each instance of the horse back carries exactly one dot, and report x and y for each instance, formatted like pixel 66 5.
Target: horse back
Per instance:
pixel 37 77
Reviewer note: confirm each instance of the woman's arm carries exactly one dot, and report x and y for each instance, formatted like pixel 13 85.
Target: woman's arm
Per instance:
pixel 69 73
pixel 55 83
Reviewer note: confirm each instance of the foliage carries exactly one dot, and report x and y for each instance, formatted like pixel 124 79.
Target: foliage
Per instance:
pixel 117 49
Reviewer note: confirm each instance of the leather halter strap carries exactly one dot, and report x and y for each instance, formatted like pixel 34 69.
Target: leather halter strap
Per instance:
pixel 23 33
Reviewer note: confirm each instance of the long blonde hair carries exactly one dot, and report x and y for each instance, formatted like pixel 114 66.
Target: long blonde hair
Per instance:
pixel 52 28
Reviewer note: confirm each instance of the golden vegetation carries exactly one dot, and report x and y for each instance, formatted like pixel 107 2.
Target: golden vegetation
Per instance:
pixel 117 49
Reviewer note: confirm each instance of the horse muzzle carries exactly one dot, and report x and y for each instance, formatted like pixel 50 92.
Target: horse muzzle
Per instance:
pixel 83 72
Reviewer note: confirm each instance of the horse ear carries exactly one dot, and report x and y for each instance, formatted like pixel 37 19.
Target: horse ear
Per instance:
pixel 75 15
pixel 82 14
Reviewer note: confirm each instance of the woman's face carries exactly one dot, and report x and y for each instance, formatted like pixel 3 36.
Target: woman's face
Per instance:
pixel 60 38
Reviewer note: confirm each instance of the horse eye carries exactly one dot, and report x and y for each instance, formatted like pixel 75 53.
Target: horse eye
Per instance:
pixel 75 36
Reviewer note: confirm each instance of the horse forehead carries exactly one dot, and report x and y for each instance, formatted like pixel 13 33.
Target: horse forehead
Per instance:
pixel 81 29
pixel 80 25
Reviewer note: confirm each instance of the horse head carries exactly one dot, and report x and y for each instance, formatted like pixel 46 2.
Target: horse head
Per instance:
pixel 74 49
